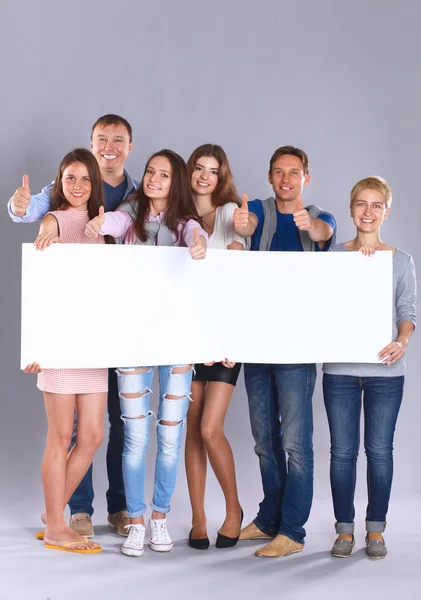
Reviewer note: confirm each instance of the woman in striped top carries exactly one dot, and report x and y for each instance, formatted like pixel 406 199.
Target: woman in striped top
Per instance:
pixel 76 198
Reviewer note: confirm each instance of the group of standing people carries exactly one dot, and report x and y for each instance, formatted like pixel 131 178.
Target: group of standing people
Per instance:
pixel 195 204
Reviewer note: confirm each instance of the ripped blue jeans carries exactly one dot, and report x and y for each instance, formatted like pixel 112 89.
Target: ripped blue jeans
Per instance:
pixel 134 387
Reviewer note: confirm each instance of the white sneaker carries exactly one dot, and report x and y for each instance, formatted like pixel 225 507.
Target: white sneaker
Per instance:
pixel 160 538
pixel 133 546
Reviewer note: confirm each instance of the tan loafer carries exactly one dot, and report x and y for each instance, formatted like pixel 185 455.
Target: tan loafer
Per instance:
pixel 252 532
pixel 81 523
pixel 119 521
pixel 281 545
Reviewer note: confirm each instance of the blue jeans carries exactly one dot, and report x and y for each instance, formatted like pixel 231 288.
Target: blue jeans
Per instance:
pixel 344 396
pixel 137 386
pixel 281 415
pixel 83 497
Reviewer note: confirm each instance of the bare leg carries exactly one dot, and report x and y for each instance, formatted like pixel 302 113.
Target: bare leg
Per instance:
pixel 60 413
pixel 89 434
pixel 196 460
pixel 60 410
pixel 218 396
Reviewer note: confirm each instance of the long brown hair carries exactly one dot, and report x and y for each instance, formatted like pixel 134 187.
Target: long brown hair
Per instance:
pixel 180 208
pixel 85 157
pixel 225 190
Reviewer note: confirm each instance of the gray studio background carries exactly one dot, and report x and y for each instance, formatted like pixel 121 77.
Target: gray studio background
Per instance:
pixel 339 79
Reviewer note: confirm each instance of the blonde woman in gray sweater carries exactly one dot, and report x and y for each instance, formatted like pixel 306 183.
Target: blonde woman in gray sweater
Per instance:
pixel 377 388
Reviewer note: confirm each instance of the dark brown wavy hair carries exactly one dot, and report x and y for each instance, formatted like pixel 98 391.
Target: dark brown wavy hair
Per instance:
pixel 180 208
pixel 85 157
pixel 225 190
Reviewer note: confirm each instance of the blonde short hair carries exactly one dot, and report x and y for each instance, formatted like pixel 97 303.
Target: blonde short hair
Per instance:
pixel 373 183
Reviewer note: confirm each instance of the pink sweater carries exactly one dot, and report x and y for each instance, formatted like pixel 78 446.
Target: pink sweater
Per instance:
pixel 119 224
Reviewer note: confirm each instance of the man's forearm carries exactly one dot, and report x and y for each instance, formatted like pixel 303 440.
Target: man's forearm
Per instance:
pixel 320 231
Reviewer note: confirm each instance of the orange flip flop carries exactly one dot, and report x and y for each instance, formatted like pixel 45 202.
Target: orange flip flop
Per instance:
pixel 40 535
pixel 68 548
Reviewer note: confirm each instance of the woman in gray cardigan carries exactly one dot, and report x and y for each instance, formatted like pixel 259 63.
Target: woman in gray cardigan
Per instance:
pixel 376 387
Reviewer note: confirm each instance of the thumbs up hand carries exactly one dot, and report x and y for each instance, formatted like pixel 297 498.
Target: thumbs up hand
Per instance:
pixel 301 217
pixel 21 198
pixel 241 215
pixel 198 250
pixel 94 226
pixel 25 184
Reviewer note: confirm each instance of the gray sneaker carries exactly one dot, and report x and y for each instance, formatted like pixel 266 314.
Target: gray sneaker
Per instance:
pixel 342 548
pixel 375 549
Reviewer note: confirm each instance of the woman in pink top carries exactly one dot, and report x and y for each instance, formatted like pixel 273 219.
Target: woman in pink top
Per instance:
pixel 76 198
pixel 160 213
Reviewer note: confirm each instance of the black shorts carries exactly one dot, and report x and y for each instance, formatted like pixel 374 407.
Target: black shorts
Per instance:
pixel 217 372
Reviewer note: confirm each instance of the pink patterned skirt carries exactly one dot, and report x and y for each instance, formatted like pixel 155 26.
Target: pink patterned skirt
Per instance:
pixel 73 381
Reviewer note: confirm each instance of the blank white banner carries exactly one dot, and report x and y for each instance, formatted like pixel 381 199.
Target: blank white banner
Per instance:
pixel 87 306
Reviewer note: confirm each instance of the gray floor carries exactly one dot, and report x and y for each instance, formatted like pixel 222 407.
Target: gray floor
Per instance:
pixel 27 570
pixel 32 572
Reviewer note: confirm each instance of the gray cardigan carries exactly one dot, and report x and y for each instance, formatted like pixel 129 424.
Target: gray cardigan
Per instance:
pixel 404 295
pixel 270 223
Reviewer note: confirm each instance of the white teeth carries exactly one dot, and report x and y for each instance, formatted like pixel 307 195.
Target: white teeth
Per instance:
pixel 109 156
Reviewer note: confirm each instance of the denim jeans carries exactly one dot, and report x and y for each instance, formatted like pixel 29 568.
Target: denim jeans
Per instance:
pixel 136 433
pixel 344 396
pixel 281 415
pixel 83 497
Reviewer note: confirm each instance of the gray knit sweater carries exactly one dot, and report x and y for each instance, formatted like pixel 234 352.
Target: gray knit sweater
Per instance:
pixel 404 294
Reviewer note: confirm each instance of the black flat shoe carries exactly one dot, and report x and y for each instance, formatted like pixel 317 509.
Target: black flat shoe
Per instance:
pixel 199 543
pixel 223 541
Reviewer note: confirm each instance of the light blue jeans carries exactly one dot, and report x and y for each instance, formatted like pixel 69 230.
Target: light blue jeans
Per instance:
pixel 134 387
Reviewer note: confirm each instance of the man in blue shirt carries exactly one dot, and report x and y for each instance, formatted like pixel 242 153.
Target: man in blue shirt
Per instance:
pixel 280 396
pixel 111 143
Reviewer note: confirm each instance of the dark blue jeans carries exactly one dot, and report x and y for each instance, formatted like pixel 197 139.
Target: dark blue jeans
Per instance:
pixel 83 497
pixel 281 415
pixel 344 397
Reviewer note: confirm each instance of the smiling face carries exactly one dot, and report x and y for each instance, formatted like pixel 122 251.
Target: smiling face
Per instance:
pixel 287 177
pixel 76 185
pixel 205 178
pixel 157 178
pixel 111 145
pixel 369 210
